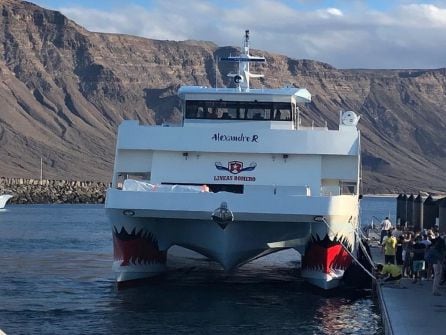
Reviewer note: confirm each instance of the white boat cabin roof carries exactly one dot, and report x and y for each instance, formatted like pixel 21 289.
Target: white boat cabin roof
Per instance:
pixel 286 94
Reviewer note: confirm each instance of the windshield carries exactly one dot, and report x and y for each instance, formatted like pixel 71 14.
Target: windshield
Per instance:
pixel 238 110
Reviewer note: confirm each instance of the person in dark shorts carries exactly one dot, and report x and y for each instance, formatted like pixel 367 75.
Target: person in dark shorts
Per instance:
pixel 399 250
pixel 407 246
pixel 418 264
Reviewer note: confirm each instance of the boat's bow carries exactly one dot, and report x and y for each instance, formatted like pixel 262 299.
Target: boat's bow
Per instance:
pixel 4 199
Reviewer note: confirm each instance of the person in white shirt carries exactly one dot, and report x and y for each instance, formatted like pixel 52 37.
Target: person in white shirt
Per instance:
pixel 386 225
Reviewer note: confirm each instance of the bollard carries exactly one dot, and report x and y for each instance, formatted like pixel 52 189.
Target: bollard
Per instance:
pixel 430 212
pixel 442 215
pixel 409 211
pixel 417 213
pixel 404 208
pixel 399 209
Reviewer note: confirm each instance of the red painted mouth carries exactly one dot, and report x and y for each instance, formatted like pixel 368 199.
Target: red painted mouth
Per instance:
pixel 325 255
pixel 136 248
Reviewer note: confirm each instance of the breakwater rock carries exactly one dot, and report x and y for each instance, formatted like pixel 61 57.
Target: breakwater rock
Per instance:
pixel 36 191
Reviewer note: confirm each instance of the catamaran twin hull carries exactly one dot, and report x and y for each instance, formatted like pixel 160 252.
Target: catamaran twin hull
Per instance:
pixel 146 224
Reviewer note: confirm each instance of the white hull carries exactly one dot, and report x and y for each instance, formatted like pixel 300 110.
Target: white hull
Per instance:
pixel 323 280
pixel 135 272
pixel 142 236
pixel 4 199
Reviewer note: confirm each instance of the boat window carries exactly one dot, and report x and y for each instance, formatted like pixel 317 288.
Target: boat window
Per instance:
pixel 123 176
pixel 225 188
pixel 258 113
pixel 348 187
pixel 282 114
pixel 238 110
pixel 215 188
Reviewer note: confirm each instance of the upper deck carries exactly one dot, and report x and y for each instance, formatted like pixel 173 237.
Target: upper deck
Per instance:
pixel 241 139
pixel 238 137
pixel 267 108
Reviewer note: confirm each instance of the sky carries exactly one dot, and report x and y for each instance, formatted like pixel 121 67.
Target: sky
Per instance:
pixel 369 34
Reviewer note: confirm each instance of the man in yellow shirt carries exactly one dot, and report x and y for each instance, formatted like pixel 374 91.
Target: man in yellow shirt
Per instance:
pixel 391 272
pixel 389 246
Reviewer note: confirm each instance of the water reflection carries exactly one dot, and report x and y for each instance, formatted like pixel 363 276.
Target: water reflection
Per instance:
pixel 347 316
pixel 258 298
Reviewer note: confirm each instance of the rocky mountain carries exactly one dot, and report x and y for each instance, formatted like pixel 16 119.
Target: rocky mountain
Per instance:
pixel 64 90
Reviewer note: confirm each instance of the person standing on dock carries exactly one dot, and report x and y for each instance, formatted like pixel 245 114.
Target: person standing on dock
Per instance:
pixel 386 225
pixel 418 264
pixel 435 255
pixel 399 250
pixel 397 232
pixel 407 246
pixel 425 239
pixel 389 246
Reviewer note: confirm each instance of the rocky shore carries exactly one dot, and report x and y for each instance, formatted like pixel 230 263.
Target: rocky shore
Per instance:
pixel 36 191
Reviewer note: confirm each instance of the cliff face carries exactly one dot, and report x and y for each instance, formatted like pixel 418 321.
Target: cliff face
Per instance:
pixel 64 91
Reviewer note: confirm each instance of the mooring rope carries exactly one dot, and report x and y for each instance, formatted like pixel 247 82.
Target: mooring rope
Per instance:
pixel 358 233
pixel 364 250
pixel 349 252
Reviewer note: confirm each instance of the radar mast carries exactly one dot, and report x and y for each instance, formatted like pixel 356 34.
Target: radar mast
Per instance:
pixel 241 79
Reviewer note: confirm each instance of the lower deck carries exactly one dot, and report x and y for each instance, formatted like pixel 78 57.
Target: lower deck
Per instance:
pixel 146 224
pixel 255 206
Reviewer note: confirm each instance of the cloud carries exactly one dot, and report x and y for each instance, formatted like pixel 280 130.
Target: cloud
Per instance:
pixel 408 35
pixel 329 13
pixel 424 15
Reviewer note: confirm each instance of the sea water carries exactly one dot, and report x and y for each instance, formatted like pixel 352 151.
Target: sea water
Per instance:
pixel 56 278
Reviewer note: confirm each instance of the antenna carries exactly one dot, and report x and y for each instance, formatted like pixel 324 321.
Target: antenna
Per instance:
pixel 41 170
pixel 241 79
pixel 216 69
pixel 246 43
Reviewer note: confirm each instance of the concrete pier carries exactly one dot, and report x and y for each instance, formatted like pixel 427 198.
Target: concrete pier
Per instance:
pixel 36 191
pixel 410 309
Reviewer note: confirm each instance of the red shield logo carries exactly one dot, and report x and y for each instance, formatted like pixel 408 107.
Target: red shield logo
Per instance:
pixel 235 167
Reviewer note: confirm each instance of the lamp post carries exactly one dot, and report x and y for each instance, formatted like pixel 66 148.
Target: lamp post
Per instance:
pixel 41 170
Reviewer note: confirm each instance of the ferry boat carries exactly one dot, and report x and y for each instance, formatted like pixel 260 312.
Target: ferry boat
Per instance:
pixel 4 199
pixel 238 179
